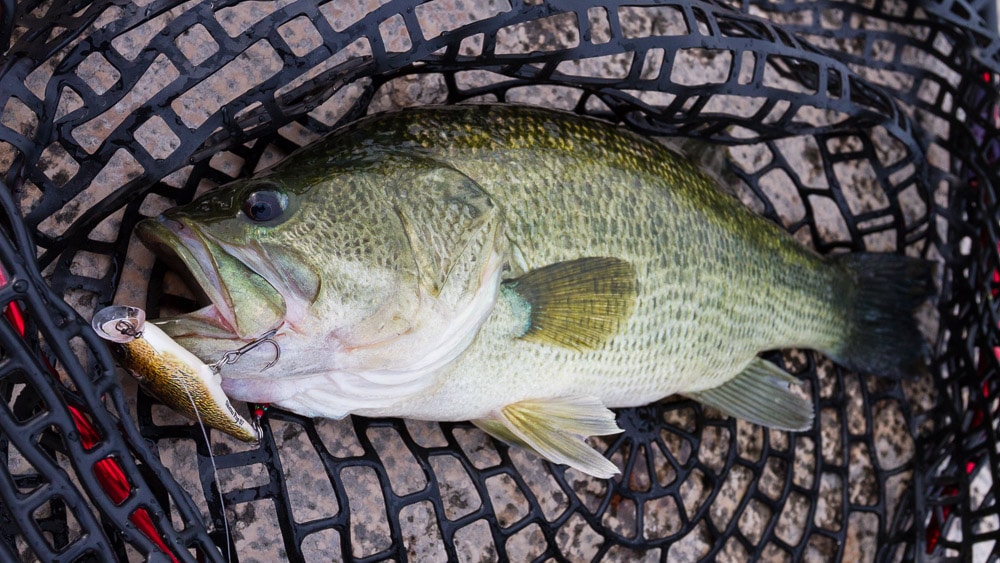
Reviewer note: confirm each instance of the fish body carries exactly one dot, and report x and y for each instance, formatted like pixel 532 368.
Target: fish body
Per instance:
pixel 522 268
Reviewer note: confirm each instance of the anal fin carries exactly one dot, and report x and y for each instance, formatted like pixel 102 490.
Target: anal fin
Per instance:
pixel 555 429
pixel 760 394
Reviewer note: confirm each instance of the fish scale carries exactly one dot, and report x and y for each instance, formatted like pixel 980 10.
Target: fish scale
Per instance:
pixel 528 269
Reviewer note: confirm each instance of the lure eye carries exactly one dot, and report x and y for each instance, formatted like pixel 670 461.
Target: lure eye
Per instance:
pixel 263 206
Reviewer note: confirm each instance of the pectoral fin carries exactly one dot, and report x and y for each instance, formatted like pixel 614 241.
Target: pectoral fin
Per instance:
pixel 579 304
pixel 760 394
pixel 555 430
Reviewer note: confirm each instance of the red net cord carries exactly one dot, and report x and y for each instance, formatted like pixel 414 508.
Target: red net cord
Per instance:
pixel 108 471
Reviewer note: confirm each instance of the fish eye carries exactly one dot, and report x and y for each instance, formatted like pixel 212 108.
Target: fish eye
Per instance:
pixel 264 205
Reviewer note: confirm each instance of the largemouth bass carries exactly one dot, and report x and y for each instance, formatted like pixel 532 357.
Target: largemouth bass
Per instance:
pixel 524 269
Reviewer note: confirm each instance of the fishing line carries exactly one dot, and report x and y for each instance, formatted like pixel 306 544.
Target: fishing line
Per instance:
pixel 229 358
pixel 215 470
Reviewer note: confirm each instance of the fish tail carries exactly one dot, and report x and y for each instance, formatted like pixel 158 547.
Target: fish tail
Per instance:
pixel 883 337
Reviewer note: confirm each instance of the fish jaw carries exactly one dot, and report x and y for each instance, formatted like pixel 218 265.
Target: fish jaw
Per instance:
pixel 242 305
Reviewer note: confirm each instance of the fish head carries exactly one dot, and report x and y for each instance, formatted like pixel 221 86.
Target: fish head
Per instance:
pixel 371 277
pixel 220 242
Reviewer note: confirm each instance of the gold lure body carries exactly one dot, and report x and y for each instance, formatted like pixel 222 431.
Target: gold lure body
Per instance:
pixel 168 372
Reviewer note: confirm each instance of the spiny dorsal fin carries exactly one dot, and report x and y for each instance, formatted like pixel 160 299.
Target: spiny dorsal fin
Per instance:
pixel 442 210
pixel 555 429
pixel 760 394
pixel 580 304
pixel 711 159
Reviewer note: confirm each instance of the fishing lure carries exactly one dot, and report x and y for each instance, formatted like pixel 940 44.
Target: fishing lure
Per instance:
pixel 170 373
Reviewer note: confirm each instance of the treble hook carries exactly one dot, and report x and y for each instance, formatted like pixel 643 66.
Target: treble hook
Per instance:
pixel 234 356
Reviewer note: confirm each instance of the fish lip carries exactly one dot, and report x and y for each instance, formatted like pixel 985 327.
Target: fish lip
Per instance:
pixel 177 242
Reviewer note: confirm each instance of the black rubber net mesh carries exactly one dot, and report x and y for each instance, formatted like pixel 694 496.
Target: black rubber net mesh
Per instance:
pixel 868 125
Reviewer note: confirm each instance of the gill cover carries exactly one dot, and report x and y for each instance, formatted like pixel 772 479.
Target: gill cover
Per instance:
pixel 443 212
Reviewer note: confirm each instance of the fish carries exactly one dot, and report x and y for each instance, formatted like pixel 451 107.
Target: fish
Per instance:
pixel 169 372
pixel 525 269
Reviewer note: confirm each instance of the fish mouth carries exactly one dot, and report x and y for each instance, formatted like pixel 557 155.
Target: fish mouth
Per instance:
pixel 225 312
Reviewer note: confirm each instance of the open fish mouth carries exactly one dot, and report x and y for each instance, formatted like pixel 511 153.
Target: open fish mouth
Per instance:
pixel 210 271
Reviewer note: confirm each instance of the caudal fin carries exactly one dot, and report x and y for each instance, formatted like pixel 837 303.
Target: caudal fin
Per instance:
pixel 883 338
